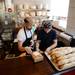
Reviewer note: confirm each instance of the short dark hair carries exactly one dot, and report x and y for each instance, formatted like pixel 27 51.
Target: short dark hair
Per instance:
pixel 26 21
pixel 46 24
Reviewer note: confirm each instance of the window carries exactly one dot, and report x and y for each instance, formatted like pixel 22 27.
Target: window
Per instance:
pixel 59 11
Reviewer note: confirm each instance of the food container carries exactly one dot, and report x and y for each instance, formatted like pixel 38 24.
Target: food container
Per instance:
pixel 39 13
pixel 44 13
pixel 33 7
pixel 37 57
pixel 26 6
pixel 40 6
pixel 20 6
pixel 32 14
pixel 22 14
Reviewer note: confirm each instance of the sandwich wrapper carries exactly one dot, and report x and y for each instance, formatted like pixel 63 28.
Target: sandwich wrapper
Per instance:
pixel 37 56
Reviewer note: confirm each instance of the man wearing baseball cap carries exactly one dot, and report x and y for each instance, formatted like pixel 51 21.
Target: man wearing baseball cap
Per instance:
pixel 46 37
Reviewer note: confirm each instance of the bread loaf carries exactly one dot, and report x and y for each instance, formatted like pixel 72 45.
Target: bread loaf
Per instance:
pixel 63 57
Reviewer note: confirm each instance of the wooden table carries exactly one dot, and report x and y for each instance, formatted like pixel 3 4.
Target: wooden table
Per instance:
pixel 25 66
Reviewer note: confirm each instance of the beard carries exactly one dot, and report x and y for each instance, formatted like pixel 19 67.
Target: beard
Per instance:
pixel 29 28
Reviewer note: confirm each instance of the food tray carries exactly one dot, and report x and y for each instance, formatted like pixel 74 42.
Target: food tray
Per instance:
pixel 48 56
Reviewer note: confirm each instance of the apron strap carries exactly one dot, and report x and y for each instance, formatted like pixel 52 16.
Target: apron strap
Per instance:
pixel 31 32
pixel 25 32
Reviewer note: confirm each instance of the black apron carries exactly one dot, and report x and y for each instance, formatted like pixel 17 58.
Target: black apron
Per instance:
pixel 27 41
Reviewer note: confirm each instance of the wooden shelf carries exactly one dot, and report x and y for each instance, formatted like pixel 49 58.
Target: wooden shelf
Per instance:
pixel 36 14
pixel 39 10
pixel 40 17
pixel 33 10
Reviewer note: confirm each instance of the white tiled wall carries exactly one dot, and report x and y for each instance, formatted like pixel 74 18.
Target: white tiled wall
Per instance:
pixel 71 18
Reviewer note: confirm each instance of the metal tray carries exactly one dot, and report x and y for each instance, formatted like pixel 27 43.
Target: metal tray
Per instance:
pixel 48 56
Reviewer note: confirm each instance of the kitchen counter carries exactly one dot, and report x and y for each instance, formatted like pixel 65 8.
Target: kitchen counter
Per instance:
pixel 26 66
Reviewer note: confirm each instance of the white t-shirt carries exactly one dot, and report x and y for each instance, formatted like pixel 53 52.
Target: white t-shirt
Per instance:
pixel 21 34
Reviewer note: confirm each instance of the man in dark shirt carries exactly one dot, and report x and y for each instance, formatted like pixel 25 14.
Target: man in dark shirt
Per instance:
pixel 46 37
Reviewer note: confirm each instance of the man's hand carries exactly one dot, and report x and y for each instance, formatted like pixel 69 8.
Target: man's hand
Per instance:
pixel 39 50
pixel 32 43
pixel 48 49
pixel 28 50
